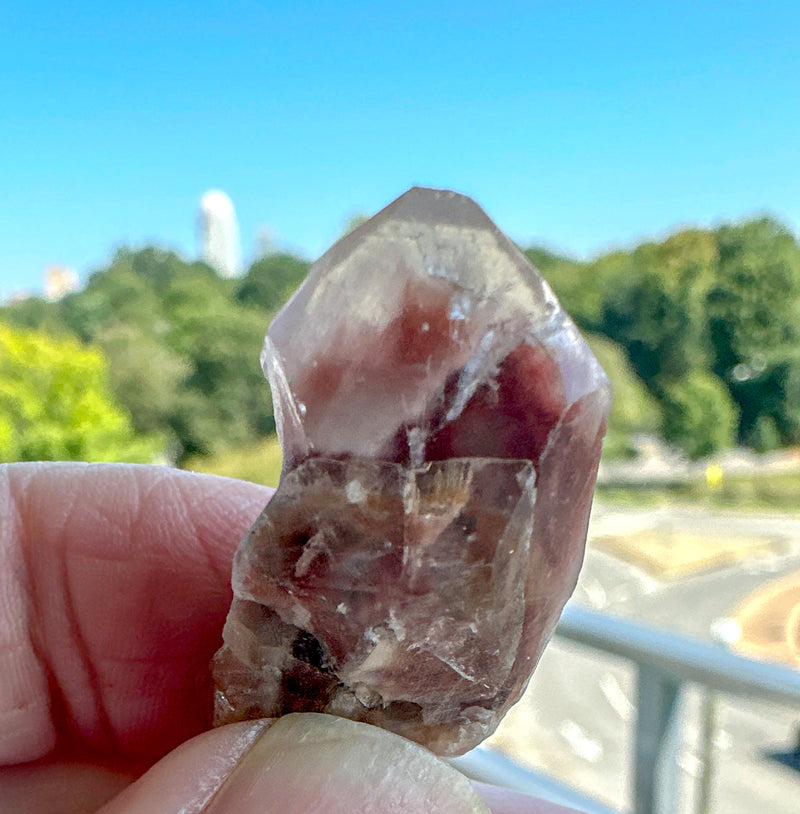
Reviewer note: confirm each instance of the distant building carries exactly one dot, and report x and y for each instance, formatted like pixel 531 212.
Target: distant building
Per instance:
pixel 218 234
pixel 60 281
pixel 265 242
pixel 17 296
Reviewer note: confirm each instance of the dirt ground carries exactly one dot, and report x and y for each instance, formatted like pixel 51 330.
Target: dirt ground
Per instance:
pixel 769 620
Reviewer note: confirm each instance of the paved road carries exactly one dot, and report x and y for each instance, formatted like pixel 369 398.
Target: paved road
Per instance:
pixel 576 720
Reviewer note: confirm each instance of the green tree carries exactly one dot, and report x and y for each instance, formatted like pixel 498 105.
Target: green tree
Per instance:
pixel 34 313
pixel 133 291
pixel 754 325
pixel 634 409
pixel 146 375
pixel 224 397
pixel 56 403
pixel 183 344
pixel 699 414
pixel 655 308
pixel 271 280
pixel 183 351
pixel 578 286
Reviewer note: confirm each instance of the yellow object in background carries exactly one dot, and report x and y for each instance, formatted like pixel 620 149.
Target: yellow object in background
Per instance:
pixel 714 475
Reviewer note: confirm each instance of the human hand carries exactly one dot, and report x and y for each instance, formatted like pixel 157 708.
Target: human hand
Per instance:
pixel 114 586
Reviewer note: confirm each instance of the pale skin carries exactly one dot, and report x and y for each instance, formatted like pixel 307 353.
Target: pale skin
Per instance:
pixel 114 586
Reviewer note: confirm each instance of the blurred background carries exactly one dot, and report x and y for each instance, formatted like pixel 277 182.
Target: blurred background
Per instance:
pixel 168 172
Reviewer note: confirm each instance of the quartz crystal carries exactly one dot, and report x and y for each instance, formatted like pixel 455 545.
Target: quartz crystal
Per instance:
pixel 441 421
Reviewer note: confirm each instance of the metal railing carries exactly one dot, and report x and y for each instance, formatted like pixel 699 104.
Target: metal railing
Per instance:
pixel 666 663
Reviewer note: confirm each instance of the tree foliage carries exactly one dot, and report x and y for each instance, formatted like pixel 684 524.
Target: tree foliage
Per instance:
pixel 634 409
pixel 724 303
pixel 575 284
pixel 56 403
pixel 655 306
pixel 699 415
pixel 271 280
pixel 754 326
pixel 694 329
pixel 182 343
pixel 184 352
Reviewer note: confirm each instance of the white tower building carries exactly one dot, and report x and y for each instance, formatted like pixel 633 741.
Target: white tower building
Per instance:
pixel 218 233
pixel 60 281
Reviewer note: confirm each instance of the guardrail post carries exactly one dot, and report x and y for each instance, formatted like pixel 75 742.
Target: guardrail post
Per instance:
pixel 657 743
pixel 705 785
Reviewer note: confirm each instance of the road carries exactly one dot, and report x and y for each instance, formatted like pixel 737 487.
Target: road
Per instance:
pixel 576 721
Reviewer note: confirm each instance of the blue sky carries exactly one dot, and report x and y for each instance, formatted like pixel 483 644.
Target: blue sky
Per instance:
pixel 578 124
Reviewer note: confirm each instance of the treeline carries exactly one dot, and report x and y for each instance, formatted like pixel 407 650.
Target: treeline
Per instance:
pixel 182 348
pixel 710 323
pixel 699 333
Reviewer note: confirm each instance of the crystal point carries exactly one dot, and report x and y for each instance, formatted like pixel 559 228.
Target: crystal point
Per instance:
pixel 441 420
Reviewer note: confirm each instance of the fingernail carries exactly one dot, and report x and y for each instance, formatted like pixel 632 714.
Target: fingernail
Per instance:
pixel 187 779
pixel 310 763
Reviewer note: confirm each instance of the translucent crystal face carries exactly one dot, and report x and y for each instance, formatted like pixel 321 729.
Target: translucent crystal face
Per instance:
pixel 403 321
pixel 441 421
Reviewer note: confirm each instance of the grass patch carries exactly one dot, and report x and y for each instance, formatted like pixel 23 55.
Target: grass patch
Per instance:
pixel 776 492
pixel 259 463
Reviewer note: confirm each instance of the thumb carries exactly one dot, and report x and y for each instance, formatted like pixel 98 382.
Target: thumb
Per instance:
pixel 299 764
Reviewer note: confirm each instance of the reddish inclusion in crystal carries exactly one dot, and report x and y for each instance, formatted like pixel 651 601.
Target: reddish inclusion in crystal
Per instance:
pixel 510 417
pixel 511 420
pixel 423 333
